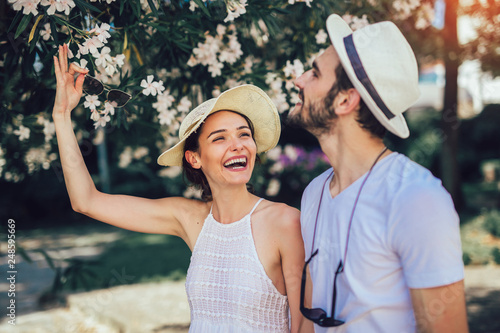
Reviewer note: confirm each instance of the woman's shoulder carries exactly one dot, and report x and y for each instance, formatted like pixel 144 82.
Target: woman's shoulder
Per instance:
pixel 187 209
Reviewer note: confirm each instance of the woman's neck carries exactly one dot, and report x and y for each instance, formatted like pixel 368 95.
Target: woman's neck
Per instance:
pixel 231 204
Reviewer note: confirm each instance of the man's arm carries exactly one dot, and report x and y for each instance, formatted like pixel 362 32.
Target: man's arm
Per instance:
pixel 440 309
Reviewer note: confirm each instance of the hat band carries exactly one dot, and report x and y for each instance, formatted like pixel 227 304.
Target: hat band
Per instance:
pixel 363 77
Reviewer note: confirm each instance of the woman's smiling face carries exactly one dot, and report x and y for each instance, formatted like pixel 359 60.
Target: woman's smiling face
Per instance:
pixel 227 149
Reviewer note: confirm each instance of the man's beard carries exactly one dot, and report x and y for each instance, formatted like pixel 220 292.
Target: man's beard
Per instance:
pixel 316 117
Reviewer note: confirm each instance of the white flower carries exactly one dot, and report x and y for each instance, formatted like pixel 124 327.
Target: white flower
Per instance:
pixel 293 70
pixel 184 105
pixel 321 37
pixel 164 101
pixel 235 9
pixel 101 32
pixel 159 86
pixel 192 192
pixel 273 188
pixel 280 100
pixel 291 152
pixel 91 102
pixel 151 87
pixel 90 45
pixel 274 154
pixel 192 61
pixel 221 29
pixel 108 108
pixel 29 6
pixel 166 117
pixel 103 120
pixel 119 60
pixel 110 69
pixel 206 52
pixel 308 2
pixel 140 152
pixel 34 158
pixel 94 115
pixel 22 132
pixel 102 58
pixel 249 61
pixel 49 129
pixel 170 172
pixel 45 33
pixel 215 68
pixel 83 63
pixel 125 158
pixel 192 5
pixel 359 22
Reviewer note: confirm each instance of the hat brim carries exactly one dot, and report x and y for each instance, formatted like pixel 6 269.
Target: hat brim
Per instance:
pixel 248 100
pixel 338 29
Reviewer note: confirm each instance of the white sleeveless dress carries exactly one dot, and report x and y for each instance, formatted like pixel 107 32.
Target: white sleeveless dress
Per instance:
pixel 227 287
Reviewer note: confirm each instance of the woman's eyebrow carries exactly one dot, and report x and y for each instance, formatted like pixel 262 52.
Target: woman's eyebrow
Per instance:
pixel 225 130
pixel 217 131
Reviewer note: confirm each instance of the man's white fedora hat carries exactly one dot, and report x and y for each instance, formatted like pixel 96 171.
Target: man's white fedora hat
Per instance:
pixel 248 100
pixel 382 67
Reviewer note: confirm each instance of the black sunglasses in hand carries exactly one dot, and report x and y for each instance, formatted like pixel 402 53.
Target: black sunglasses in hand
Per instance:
pixel 318 315
pixel 93 86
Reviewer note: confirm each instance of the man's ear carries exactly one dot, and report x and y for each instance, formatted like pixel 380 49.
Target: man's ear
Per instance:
pixel 347 101
pixel 193 158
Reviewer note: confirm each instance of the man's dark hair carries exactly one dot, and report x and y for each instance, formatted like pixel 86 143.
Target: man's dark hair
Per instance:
pixel 196 176
pixel 366 119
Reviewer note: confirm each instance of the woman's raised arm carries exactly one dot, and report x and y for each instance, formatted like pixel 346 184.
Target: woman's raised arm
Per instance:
pixel 128 212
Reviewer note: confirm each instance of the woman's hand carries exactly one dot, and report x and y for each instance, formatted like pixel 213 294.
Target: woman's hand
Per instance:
pixel 68 91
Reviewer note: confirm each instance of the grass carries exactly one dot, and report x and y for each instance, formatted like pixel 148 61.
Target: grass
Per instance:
pixel 143 258
pixel 127 257
pixel 478 244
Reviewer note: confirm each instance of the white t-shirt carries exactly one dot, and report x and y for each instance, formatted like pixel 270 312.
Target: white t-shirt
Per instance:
pixel 404 234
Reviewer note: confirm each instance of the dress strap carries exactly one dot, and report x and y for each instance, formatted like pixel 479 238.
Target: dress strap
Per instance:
pixel 258 202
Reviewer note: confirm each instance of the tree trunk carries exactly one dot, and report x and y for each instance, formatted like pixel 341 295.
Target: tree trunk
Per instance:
pixel 450 173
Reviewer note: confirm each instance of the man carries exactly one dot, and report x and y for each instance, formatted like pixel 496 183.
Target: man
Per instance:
pixel 380 232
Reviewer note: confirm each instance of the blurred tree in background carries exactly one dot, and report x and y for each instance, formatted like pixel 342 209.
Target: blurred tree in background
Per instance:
pixel 170 56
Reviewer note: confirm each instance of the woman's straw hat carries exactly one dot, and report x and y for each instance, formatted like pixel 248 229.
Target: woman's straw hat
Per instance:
pixel 248 100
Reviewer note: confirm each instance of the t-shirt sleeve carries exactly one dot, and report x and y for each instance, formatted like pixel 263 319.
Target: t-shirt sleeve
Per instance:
pixel 424 231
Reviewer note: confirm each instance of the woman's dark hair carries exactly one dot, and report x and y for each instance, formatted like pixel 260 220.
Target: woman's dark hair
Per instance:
pixel 196 176
pixel 365 117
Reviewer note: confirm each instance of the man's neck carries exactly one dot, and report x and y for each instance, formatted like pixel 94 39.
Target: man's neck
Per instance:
pixel 351 156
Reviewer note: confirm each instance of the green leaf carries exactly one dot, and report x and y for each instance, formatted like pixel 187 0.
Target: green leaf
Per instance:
pixel 34 41
pixel 204 9
pixel 122 7
pixel 15 20
pixel 23 25
pixel 83 5
pixel 153 7
pixel 53 29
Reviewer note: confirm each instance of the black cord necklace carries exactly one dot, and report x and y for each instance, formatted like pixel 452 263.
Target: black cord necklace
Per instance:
pixel 353 209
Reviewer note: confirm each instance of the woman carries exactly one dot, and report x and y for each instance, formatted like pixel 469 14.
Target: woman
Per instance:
pixel 248 253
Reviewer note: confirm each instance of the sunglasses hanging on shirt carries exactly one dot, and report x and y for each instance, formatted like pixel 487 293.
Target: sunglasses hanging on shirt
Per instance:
pixel 318 315
pixel 93 86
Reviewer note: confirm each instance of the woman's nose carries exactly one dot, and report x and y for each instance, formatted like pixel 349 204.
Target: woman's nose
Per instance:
pixel 236 144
